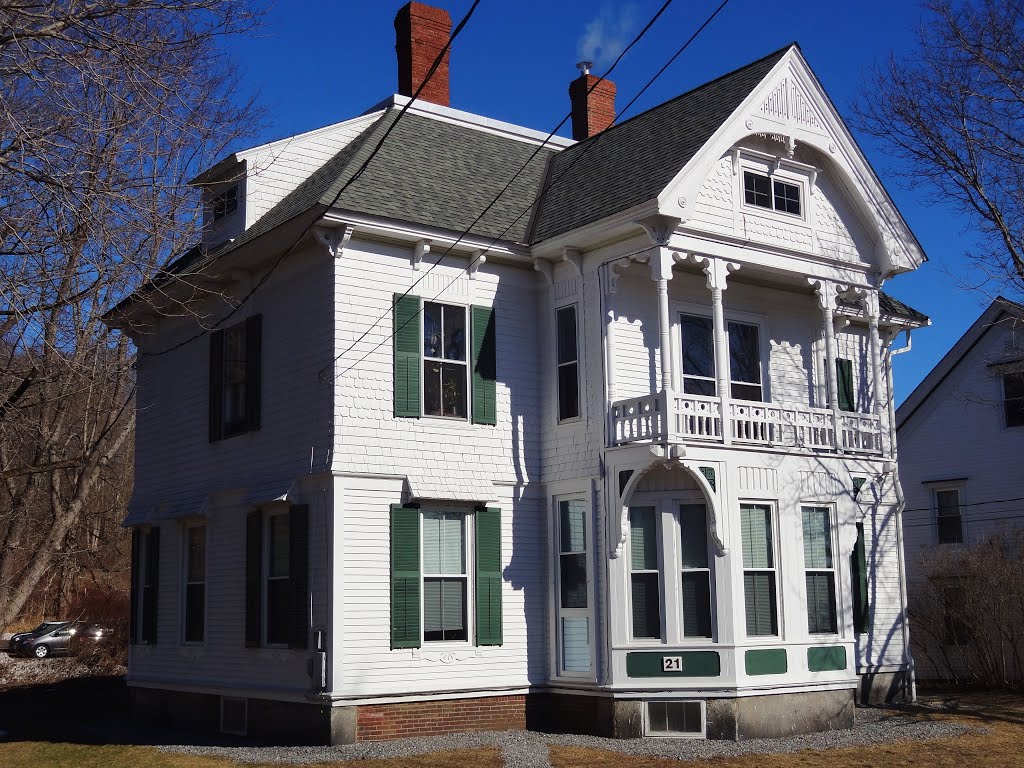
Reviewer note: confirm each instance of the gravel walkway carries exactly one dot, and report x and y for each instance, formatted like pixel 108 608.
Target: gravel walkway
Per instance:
pixel 526 749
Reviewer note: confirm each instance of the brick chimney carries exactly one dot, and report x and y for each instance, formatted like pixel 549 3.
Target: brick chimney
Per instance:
pixel 421 31
pixel 592 111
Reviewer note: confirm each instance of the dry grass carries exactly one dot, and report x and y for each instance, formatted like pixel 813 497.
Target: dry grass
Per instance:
pixel 1002 745
pixel 39 754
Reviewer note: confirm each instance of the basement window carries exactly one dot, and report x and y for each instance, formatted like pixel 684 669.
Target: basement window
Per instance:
pixel 771 194
pixel 234 716
pixel 674 718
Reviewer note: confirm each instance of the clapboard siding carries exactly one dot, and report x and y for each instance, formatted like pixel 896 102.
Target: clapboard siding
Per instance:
pixel 366 665
pixel 180 474
pixel 958 433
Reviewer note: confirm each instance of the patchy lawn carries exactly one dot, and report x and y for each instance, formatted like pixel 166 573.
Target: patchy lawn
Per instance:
pixel 999 746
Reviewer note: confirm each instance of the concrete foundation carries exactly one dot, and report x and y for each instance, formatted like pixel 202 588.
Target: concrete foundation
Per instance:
pixel 883 688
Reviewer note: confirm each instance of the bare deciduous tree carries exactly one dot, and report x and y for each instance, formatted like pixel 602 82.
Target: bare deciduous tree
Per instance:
pixel 107 109
pixel 954 113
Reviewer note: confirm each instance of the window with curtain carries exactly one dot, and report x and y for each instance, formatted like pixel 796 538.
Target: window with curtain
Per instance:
pixel 574 604
pixel 819 570
pixel 445 370
pixel 759 583
pixel 696 570
pixel 645 578
pixel 445 578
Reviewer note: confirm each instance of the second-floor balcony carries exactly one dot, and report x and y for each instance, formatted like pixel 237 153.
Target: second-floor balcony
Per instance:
pixel 673 417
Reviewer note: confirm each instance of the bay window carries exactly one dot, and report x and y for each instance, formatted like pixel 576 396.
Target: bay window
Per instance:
pixel 819 568
pixel 573 588
pixel 645 574
pixel 759 581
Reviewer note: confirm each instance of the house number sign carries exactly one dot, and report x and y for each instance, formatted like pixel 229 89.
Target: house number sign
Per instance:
pixel 671 663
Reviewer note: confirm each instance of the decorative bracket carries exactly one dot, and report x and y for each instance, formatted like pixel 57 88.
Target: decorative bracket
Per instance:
pixel 477 260
pixel 422 249
pixel 715 269
pixel 659 227
pixel 544 267
pixel 826 290
pixel 334 240
pixel 617 267
pixel 575 257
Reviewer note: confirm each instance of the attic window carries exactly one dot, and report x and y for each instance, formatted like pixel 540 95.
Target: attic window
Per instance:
pixel 225 203
pixel 772 194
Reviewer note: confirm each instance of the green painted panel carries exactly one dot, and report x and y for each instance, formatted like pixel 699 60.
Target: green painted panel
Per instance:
pixel 691 663
pixel 766 661
pixel 828 658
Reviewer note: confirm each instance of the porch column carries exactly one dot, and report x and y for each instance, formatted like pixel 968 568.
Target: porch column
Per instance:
pixel 717 272
pixel 871 303
pixel 827 292
pixel 661 273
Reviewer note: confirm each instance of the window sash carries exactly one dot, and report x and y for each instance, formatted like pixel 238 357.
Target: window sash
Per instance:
pixel 444 544
pixel 444 360
pixel 445 555
pixel 574 620
pixel 276 582
pixel 445 608
pixel 772 194
pixel 695 583
pixel 195 584
pixel 819 567
pixel 759 577
pixel 645 575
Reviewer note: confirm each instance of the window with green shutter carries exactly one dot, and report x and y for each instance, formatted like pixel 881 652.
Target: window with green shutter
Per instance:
pixel 844 383
pixel 819 570
pixel 405 577
pixel 759 590
pixel 859 580
pixel 488 576
pixel 485 406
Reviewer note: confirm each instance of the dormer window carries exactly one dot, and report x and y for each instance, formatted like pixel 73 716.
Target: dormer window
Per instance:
pixel 772 194
pixel 225 203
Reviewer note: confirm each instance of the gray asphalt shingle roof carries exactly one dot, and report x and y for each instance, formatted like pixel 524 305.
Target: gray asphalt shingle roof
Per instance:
pixel 632 162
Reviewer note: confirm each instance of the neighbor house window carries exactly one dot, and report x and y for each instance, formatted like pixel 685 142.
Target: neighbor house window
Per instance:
pixel 235 365
pixel 573 591
pixel 645 576
pixel 445 577
pixel 568 364
pixel 224 203
pixel 696 571
pixel 1013 399
pixel 445 371
pixel 759 590
pixel 195 583
pixel 772 194
pixel 819 570
pixel 697 337
pixel 948 517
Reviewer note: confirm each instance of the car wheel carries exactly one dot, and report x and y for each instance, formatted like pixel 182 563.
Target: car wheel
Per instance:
pixel 41 651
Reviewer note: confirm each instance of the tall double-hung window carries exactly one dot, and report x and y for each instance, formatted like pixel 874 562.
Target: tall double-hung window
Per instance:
pixel 819 570
pixel 575 620
pixel 697 336
pixel 759 570
pixel 645 573
pixel 696 570
pixel 567 363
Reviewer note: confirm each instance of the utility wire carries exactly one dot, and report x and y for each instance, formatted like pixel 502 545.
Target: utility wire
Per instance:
pixel 536 200
pixel 359 172
pixel 496 198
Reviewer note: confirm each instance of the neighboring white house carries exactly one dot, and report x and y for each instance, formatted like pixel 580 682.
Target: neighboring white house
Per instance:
pixel 961 432
pixel 617 461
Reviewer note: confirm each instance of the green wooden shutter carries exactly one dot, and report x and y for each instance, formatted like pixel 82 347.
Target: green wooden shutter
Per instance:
pixel 488 576
pixel 216 386
pixel 844 382
pixel 405 577
pixel 150 591
pixel 253 573
pixel 859 571
pixel 253 370
pixel 298 575
pixel 133 609
pixel 484 362
pixel 408 364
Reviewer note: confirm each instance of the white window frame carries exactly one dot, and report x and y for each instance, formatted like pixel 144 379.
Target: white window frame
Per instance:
pixel 743 318
pixel 468 528
pixel 266 578
pixel 676 734
pixel 660 573
pixel 186 582
pixel 224 194
pixel 774 168
pixel 578 362
pixel 573 613
pixel 935 490
pixel 232 427
pixel 682 570
pixel 837 594
pixel 780 611
pixel 424 359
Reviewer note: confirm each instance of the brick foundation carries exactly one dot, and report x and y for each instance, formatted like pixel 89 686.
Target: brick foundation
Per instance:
pixel 376 722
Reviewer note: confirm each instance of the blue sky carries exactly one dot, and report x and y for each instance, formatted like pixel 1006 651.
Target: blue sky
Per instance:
pixel 319 62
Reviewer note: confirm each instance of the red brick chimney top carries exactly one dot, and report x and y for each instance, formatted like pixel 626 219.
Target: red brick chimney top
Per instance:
pixel 421 31
pixel 592 110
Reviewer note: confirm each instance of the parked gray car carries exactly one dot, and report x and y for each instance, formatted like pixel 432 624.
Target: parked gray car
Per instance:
pixel 55 638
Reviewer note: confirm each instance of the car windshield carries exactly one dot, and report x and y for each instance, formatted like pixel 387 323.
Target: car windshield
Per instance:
pixel 46 626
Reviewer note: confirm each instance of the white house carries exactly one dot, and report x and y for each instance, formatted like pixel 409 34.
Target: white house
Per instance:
pixel 611 450
pixel 963 490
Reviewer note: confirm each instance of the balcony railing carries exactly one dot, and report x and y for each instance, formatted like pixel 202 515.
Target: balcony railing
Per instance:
pixel 673 417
